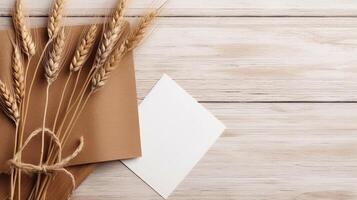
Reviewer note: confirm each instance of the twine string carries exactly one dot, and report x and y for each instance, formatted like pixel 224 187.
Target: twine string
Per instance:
pixel 58 166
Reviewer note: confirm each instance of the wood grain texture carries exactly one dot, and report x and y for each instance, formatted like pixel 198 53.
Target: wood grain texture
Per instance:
pixel 201 7
pixel 269 151
pixel 254 59
pixel 250 59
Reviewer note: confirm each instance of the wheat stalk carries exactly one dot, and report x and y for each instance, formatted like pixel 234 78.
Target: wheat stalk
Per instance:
pixel 9 103
pixel 27 43
pixel 81 55
pixel 111 36
pixel 18 75
pixel 53 64
pixel 104 72
pixel 52 70
pixel 54 22
pixel 84 48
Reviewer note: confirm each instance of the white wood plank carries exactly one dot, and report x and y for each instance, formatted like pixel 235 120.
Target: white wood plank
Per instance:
pixel 270 151
pixel 250 59
pixel 200 7
pixel 254 59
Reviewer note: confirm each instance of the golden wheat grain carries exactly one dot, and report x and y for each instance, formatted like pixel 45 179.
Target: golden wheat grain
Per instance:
pixel 111 36
pixel 103 73
pixel 53 64
pixel 118 14
pixel 18 75
pixel 9 103
pixel 106 46
pixel 27 43
pixel 54 22
pixel 83 49
pixel 139 32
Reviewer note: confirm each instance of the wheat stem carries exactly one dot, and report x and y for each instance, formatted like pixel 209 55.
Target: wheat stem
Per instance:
pixel 74 89
pixel 43 136
pixel 61 101
pixel 52 70
pixel 44 124
pixel 31 196
pixel 14 170
pixel 30 92
pixel 12 192
pixel 21 132
pixel 77 111
pixel 81 56
pixel 75 119
pixel 31 87
pixel 85 86
pixel 77 100
pixel 51 155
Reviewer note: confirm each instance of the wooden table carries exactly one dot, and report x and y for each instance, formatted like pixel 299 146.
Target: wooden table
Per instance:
pixel 282 75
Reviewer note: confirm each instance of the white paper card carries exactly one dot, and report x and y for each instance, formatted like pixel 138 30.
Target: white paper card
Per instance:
pixel 176 132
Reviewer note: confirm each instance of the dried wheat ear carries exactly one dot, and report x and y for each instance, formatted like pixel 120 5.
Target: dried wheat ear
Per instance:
pixel 55 57
pixel 134 39
pixel 83 49
pixel 111 35
pixel 8 103
pixel 27 42
pixel 54 22
pixel 18 75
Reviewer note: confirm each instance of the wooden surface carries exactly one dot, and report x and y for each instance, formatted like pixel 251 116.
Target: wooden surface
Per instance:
pixel 282 75
pixel 201 7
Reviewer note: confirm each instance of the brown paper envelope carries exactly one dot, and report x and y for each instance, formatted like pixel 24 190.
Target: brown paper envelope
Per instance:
pixel 109 123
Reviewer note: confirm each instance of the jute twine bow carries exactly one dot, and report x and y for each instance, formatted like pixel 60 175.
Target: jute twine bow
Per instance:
pixel 58 166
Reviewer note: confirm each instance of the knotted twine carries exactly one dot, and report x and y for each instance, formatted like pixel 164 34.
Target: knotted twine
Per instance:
pixel 58 166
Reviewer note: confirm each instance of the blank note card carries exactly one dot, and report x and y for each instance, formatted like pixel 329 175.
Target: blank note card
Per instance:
pixel 176 132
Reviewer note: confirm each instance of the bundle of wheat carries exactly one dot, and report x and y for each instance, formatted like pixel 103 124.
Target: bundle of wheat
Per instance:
pixel 113 46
